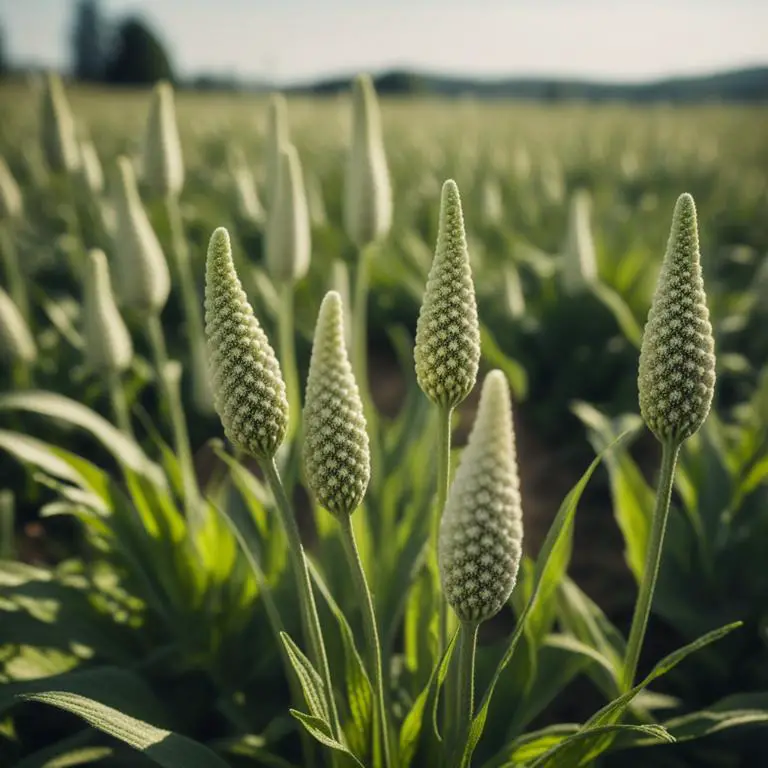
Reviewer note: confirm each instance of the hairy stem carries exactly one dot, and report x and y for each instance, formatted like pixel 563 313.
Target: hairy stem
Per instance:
pixel 669 454
pixel 443 481
pixel 465 689
pixel 313 636
pixel 371 633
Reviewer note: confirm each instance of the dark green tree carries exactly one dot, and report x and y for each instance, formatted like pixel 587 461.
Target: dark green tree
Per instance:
pixel 88 42
pixel 137 56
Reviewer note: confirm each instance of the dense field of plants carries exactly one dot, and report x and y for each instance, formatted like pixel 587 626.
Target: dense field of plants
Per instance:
pixel 321 440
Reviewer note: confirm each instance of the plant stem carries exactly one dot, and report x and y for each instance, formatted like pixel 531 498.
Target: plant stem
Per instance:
pixel 17 284
pixel 119 402
pixel 191 302
pixel 313 635
pixel 465 690
pixel 287 347
pixel 669 454
pixel 443 481
pixel 370 627
pixel 177 421
pixel 360 329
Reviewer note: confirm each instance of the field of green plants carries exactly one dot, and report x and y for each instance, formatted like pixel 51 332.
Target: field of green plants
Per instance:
pixel 338 432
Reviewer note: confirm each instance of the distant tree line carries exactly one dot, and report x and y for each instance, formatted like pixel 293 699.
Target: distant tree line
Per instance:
pixel 128 53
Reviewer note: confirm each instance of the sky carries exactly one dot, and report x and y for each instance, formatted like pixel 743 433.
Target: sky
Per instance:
pixel 288 41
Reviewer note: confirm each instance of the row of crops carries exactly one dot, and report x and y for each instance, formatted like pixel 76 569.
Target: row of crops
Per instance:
pixel 244 344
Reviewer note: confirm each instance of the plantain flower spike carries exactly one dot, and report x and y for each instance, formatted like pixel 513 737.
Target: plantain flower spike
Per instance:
pixel 162 164
pixel 142 271
pixel 11 202
pixel 481 530
pixel 447 350
pixel 248 388
pixel 16 342
pixel 336 449
pixel 57 128
pixel 288 240
pixel 580 261
pixel 367 189
pixel 277 136
pixel 108 346
pixel 90 168
pixel 676 382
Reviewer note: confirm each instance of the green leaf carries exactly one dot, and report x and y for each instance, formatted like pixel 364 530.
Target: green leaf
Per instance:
pixel 359 690
pixel 620 311
pixel 633 499
pixel 321 730
pixel 311 682
pixel 530 745
pixel 59 756
pixel 575 751
pixel 125 450
pixel 554 757
pixel 166 748
pixel 553 549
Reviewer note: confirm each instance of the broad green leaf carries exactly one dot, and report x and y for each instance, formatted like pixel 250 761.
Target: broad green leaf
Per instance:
pixel 60 756
pixel 552 548
pixel 321 730
pixel 166 748
pixel 574 751
pixel 125 450
pixel 311 682
pixel 554 758
pixel 530 745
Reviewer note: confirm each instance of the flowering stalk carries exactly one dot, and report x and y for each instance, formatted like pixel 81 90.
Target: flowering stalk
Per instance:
pixel 108 344
pixel 447 349
pixel 481 534
pixel 163 176
pixel 676 384
pixel 250 398
pixel 288 246
pixel 338 464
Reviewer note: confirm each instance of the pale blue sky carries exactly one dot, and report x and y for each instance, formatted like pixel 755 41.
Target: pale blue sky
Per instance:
pixel 290 40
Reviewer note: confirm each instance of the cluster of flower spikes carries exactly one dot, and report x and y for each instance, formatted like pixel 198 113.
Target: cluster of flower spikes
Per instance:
pixel 447 349
pixel 481 531
pixel 336 447
pixel 248 388
pixel 677 362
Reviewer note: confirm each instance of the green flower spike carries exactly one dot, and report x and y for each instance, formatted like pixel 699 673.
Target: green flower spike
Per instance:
pixel 288 234
pixel 447 351
pixel 367 189
pixel 57 128
pixel 108 345
pixel 481 532
pixel 336 449
pixel 249 393
pixel 16 342
pixel 677 361
pixel 162 161
pixel 142 271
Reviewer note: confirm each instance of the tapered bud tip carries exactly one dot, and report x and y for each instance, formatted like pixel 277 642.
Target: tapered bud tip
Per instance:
pixel 447 349
pixel 247 384
pixel 336 446
pixel 676 378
